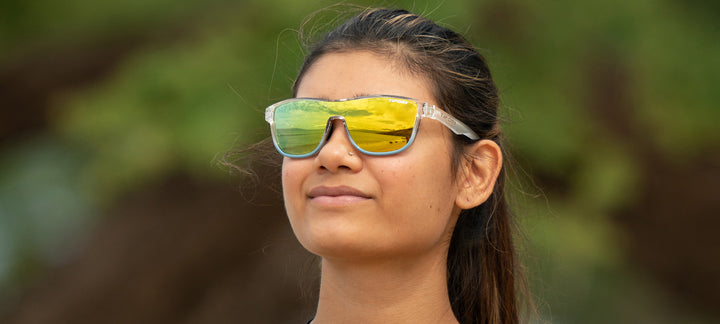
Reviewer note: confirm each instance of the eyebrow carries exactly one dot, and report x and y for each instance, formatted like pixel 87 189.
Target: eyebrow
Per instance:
pixel 354 96
pixel 362 94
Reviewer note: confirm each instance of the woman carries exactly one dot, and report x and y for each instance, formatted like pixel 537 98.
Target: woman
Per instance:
pixel 393 174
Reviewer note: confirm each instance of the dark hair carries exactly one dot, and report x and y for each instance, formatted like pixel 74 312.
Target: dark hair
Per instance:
pixel 482 265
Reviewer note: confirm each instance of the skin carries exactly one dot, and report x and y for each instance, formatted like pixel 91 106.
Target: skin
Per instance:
pixel 382 224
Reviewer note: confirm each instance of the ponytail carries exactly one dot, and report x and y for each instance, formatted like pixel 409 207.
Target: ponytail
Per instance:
pixel 481 263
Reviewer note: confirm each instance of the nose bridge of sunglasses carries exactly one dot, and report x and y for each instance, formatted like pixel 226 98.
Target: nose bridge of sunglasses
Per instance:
pixel 335 123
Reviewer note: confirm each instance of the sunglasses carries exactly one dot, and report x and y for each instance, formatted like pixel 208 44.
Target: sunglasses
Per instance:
pixel 375 125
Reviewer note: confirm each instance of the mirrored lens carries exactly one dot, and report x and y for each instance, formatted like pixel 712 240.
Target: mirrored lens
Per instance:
pixel 375 124
pixel 299 126
pixel 379 124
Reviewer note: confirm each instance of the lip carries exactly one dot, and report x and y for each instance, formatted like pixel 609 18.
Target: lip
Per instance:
pixel 336 191
pixel 340 195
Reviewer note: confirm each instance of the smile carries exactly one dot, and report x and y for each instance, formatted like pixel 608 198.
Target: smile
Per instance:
pixel 337 196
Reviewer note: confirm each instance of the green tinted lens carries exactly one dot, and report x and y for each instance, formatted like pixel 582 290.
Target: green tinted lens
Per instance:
pixel 379 124
pixel 299 125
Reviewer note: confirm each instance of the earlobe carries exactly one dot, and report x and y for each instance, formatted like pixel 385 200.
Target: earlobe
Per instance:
pixel 477 174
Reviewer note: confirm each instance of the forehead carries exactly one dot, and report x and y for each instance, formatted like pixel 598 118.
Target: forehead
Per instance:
pixel 347 75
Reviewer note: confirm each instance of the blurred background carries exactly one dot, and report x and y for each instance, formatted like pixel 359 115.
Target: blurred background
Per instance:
pixel 114 114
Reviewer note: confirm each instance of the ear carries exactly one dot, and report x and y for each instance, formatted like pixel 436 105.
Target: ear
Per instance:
pixel 477 175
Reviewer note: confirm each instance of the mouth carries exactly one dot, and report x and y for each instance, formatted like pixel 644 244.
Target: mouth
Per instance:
pixel 342 195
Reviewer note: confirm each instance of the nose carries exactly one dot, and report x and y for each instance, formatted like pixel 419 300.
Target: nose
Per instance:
pixel 338 153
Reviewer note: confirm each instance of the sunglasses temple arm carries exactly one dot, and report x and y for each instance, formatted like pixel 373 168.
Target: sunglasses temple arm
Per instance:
pixel 448 120
pixel 269 114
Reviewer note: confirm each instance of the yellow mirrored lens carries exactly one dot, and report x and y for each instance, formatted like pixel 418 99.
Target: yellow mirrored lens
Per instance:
pixel 375 124
pixel 379 124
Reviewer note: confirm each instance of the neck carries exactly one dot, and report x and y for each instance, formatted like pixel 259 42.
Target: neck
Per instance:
pixel 388 291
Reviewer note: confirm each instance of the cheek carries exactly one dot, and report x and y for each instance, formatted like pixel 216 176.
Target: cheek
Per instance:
pixel 421 188
pixel 286 179
pixel 293 171
pixel 292 178
pixel 285 175
pixel 418 206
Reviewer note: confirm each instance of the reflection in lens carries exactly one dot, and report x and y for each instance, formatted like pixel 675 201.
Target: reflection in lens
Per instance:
pixel 385 125
pixel 375 124
pixel 299 126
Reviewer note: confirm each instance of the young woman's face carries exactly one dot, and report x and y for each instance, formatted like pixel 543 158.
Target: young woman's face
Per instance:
pixel 343 204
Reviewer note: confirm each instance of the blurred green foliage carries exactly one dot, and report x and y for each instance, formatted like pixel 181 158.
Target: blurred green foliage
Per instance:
pixel 199 83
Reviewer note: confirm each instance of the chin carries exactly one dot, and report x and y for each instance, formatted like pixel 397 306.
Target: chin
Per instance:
pixel 337 244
